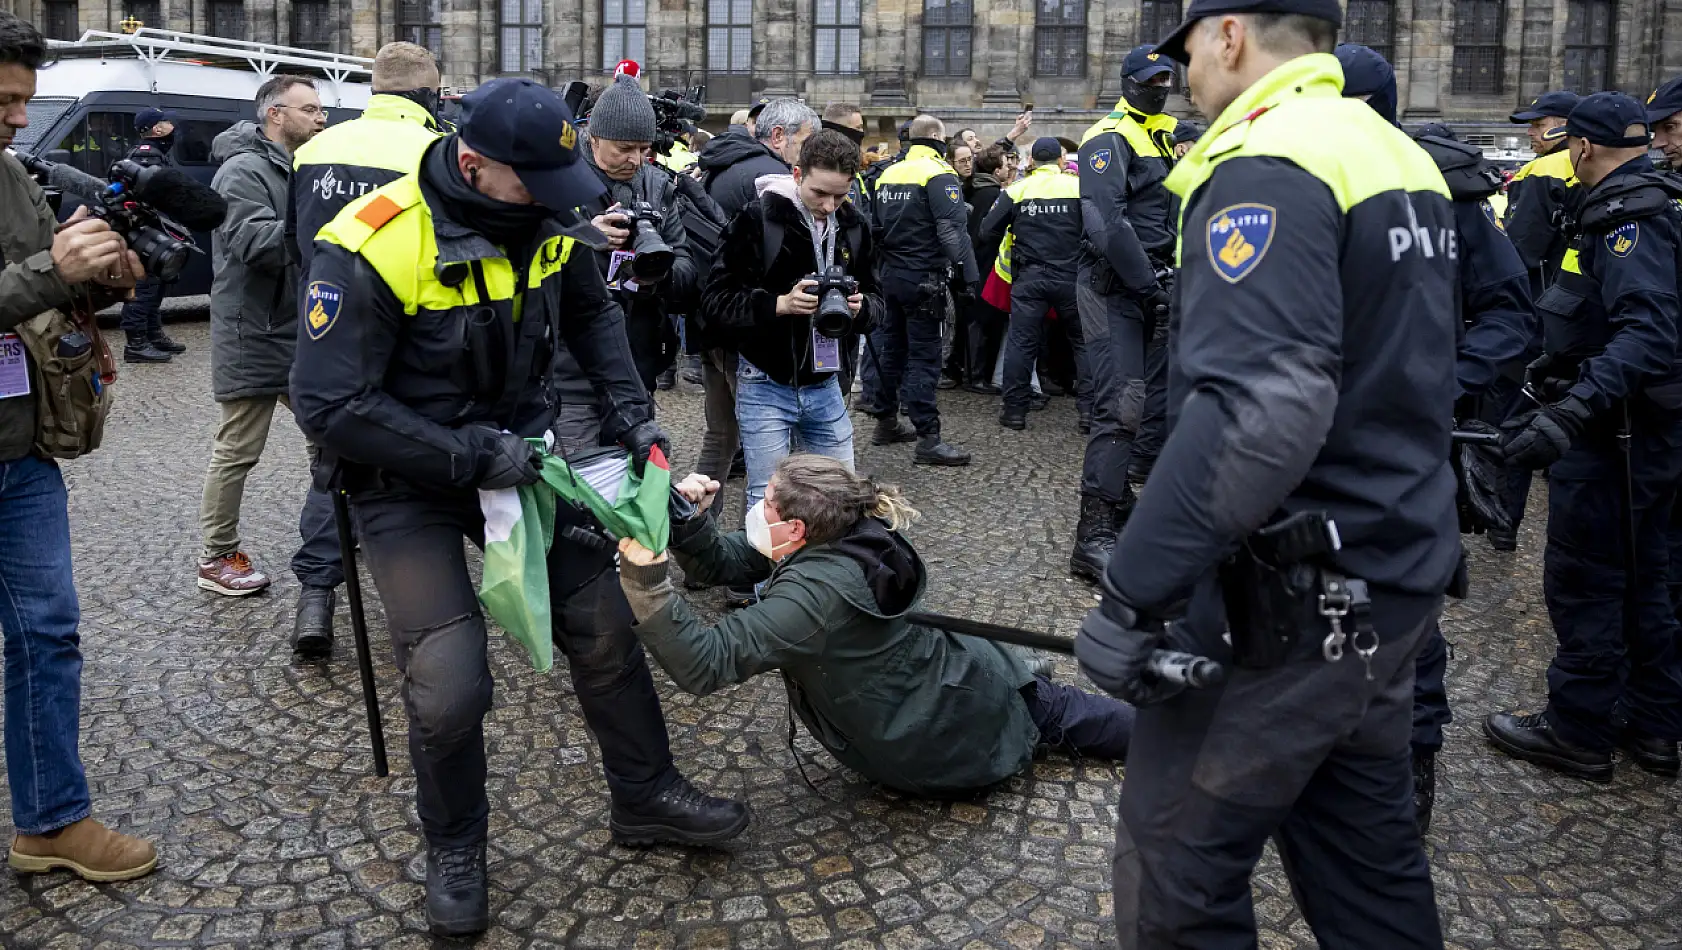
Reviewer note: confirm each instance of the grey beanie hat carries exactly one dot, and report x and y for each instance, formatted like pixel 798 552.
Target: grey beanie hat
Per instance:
pixel 622 113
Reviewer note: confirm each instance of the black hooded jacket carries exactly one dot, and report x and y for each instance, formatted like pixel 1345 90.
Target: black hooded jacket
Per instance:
pixel 740 300
pixel 731 164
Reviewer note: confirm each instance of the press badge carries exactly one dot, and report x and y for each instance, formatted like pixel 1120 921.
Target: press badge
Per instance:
pixel 621 260
pixel 14 369
pixel 826 353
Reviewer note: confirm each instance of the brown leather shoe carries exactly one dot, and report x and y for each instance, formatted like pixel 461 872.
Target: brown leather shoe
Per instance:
pixel 232 576
pixel 87 848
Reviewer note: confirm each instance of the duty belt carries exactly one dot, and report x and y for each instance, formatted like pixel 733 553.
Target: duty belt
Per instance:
pixel 1308 538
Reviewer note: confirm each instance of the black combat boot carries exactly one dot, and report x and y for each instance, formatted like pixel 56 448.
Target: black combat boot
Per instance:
pixel 667 379
pixel 1657 756
pixel 682 814
pixel 312 633
pixel 892 430
pixel 140 349
pixel 932 451
pixel 1502 540
pixel 1424 788
pixel 457 894
pixel 1095 536
pixel 1532 739
pixel 1013 419
pixel 160 339
pixel 1124 508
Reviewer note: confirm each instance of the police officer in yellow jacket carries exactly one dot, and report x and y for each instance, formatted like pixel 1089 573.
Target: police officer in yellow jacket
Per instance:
pixel 427 357
pixel 921 217
pixel 1042 214
pixel 1128 216
pixel 1538 191
pixel 348 160
pixel 1303 501
pixel 339 165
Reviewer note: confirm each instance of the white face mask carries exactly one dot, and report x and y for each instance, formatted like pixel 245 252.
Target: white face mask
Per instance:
pixel 759 532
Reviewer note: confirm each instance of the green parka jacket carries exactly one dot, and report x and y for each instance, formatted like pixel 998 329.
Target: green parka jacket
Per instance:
pixel 923 711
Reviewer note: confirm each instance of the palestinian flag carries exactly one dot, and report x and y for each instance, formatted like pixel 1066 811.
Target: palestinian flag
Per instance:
pixel 520 527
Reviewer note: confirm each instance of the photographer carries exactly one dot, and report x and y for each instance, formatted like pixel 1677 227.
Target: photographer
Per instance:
pixel 764 300
pixel 917 709
pixel 648 262
pixel 83 264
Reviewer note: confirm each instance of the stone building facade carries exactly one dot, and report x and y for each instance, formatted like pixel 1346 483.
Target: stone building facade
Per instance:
pixel 975 62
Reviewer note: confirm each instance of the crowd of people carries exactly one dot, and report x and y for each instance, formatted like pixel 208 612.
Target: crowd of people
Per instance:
pixel 1271 342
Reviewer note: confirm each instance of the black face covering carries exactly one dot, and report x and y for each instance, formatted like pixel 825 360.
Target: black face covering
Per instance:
pixel 856 136
pixel 939 145
pixel 1150 100
pixel 163 142
pixel 425 98
pixel 510 225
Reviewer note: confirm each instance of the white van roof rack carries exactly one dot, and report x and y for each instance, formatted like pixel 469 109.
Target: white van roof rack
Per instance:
pixel 154 45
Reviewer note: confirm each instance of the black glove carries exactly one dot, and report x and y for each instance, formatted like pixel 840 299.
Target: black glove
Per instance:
pixel 509 461
pixel 641 439
pixel 1482 476
pixel 1537 439
pixel 1114 648
pixel 1157 303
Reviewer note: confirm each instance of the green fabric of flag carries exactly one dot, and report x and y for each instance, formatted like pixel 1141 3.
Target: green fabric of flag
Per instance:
pixel 520 527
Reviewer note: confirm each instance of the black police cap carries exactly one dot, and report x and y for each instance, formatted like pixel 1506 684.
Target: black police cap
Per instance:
pixel 529 128
pixel 1557 104
pixel 1665 101
pixel 1174 47
pixel 1605 118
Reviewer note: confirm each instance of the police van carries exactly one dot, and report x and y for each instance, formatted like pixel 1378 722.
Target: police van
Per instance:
pixel 85 102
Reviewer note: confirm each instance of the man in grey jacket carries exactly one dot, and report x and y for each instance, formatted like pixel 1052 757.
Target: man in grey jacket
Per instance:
pixel 253 315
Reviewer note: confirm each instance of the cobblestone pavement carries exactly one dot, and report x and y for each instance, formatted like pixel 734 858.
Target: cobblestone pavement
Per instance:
pixel 253 773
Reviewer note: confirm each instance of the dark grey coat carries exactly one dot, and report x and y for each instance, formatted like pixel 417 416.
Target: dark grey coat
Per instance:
pixel 253 298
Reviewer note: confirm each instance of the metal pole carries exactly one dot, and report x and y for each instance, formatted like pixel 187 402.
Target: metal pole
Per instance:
pixel 359 628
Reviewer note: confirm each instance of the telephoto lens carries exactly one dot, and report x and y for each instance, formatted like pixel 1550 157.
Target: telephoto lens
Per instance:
pixel 653 262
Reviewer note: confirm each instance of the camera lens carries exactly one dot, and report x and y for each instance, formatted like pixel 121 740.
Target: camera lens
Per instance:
pixel 834 317
pixel 163 256
pixel 654 258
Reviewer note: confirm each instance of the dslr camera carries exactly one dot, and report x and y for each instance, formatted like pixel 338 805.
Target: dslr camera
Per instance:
pixel 161 244
pixel 654 258
pixel 833 318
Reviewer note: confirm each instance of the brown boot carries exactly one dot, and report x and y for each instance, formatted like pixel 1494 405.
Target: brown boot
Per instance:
pixel 87 848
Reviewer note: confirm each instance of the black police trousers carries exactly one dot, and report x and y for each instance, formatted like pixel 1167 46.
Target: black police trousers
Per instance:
pixel 1312 754
pixel 1117 343
pixel 1620 647
pixel 1032 295
pixel 412 537
pixel 906 344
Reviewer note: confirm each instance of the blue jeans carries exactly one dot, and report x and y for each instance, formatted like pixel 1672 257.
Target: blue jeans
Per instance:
pixel 774 418
pixel 39 615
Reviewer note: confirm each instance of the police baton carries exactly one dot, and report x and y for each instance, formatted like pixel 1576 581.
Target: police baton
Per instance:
pixel 1462 437
pixel 1170 666
pixel 359 629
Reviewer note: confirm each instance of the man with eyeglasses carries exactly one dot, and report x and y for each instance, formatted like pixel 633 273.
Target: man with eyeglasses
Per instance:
pixel 253 313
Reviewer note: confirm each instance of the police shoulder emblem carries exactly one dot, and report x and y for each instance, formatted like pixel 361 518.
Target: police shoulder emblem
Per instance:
pixel 321 308
pixel 1100 160
pixel 953 193
pixel 1623 239
pixel 1239 236
pixel 569 135
pixel 1489 212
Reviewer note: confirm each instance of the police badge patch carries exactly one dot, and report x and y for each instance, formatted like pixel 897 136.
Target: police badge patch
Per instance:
pixel 321 308
pixel 1239 236
pixel 1623 239
pixel 1100 160
pixel 953 193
